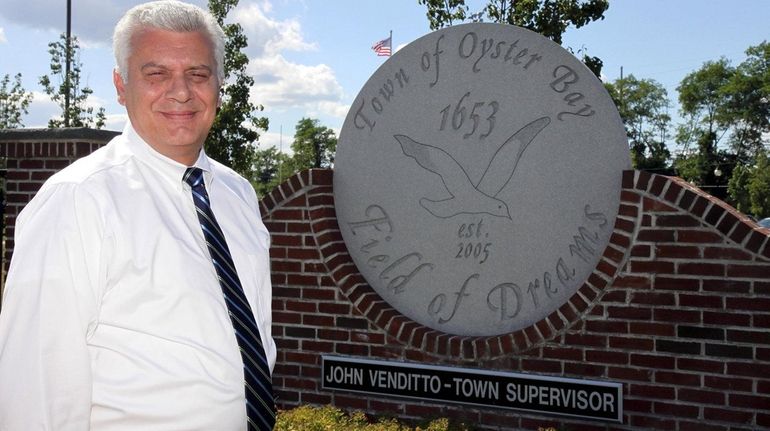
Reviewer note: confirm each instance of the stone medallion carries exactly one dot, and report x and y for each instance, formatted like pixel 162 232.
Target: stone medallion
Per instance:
pixel 477 178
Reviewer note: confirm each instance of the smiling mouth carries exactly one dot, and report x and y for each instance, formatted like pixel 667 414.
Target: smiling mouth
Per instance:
pixel 178 115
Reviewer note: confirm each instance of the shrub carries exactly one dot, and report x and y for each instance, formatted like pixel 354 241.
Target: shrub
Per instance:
pixel 328 418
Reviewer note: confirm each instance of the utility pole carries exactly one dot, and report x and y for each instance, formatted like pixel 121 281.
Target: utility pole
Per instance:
pixel 68 50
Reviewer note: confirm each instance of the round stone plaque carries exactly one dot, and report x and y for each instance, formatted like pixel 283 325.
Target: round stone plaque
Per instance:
pixel 477 178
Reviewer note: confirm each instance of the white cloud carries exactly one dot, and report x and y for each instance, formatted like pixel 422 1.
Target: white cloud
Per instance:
pixel 115 122
pixel 2 36
pixel 281 84
pixel 41 109
pixel 267 36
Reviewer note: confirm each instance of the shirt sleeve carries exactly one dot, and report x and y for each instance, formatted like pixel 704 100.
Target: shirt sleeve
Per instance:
pixel 264 317
pixel 49 308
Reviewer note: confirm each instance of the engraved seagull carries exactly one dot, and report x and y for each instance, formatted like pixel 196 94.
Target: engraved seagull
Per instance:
pixel 469 198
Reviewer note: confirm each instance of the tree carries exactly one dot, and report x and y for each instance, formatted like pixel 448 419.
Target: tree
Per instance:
pixel 643 106
pixel 748 103
pixel 749 187
pixel 14 102
pixel 77 114
pixel 313 146
pixel 233 137
pixel 703 102
pixel 551 18
pixel 271 167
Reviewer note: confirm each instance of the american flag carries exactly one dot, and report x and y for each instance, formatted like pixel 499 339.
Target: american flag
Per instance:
pixel 382 48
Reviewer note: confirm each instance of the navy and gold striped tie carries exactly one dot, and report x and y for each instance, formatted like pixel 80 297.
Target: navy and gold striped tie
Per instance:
pixel 260 405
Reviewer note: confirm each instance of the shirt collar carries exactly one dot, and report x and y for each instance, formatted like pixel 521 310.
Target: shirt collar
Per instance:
pixel 168 169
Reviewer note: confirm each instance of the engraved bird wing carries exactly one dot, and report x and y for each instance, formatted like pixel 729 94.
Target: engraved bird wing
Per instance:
pixel 439 162
pixel 506 158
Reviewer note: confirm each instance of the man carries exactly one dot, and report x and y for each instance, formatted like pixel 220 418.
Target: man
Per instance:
pixel 125 307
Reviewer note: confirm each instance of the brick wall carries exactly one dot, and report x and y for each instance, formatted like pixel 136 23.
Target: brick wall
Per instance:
pixel 677 310
pixel 29 157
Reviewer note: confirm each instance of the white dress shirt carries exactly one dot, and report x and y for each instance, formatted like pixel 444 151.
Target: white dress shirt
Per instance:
pixel 113 317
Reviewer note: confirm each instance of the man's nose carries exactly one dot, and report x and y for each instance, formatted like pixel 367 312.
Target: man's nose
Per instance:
pixel 180 89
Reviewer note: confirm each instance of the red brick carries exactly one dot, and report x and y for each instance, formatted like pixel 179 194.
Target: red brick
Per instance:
pixel 641 250
pixel 677 378
pixel 677 315
pixel 740 232
pixel 753 337
pixel 607 357
pixel 651 267
pixel 699 237
pixel 607 326
pixel 728 286
pixel 731 383
pixel 726 318
pixel 749 401
pixel 708 366
pixel 651 391
pixel 714 215
pixel 585 340
pixel 748 304
pixel 654 423
pixel 652 328
pixel 682 284
pixel 677 220
pixel 728 415
pixel 653 298
pixel 725 253
pixel 583 370
pixel 652 361
pixel 701 301
pixel 633 281
pixel 702 269
pixel 629 374
pixel 667 251
pixel 629 313
pixel 701 396
pixel 749 271
pixel 656 235
pixel 677 410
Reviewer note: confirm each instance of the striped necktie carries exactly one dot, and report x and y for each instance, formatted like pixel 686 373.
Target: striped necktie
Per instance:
pixel 260 405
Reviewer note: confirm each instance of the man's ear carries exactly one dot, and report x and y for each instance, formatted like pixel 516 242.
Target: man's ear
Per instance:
pixel 119 86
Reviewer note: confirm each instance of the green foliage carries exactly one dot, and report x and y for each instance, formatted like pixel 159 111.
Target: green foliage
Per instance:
pixel 313 145
pixel 271 168
pixel 738 188
pixel 14 102
pixel 703 104
pixel 702 96
pixel 328 418
pixel 747 106
pixel 233 137
pixel 643 107
pixel 551 18
pixel 442 13
pixel 749 187
pixel 77 114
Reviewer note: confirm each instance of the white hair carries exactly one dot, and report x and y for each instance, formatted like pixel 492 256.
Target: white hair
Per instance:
pixel 170 15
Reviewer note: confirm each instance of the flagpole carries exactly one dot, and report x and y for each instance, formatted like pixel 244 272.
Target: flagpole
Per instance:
pixel 391 42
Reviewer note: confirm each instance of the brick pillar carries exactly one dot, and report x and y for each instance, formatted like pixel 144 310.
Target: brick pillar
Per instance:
pixel 30 157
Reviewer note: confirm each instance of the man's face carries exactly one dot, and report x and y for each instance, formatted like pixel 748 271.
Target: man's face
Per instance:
pixel 172 91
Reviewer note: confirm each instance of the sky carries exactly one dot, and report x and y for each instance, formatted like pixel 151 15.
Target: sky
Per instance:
pixel 310 58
